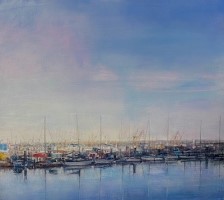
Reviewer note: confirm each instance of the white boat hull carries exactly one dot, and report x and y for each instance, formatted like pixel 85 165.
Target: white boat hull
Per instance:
pixel 133 160
pixel 151 159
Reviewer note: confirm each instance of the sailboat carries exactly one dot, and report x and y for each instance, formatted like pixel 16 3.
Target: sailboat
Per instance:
pixel 77 161
pixel 149 158
pixel 101 161
pixel 201 156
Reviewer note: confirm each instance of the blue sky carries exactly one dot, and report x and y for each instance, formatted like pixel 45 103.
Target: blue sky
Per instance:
pixel 121 59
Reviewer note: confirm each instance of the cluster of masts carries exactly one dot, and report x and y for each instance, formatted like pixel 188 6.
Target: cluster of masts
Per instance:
pixel 136 137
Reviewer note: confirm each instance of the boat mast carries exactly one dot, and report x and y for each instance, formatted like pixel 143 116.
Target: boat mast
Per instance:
pixel 45 145
pixel 200 135
pixel 219 131
pixel 100 134
pixel 77 131
pixel 168 129
pixel 119 143
pixel 120 136
pixel 129 138
pixel 149 131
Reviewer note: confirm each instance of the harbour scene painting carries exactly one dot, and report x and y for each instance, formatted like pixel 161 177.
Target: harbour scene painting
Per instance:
pixel 111 99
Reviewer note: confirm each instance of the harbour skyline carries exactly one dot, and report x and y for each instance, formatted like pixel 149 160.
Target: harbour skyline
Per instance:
pixel 122 60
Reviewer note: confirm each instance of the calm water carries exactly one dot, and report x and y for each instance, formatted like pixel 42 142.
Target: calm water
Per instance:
pixel 190 180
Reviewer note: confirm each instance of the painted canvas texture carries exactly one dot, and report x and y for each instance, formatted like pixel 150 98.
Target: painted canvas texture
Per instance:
pixel 111 99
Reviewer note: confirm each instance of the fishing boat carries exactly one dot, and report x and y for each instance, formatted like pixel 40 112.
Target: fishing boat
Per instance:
pixel 187 158
pixel 159 159
pixel 170 158
pixel 18 164
pixel 132 159
pixel 148 158
pixel 78 162
pixel 152 159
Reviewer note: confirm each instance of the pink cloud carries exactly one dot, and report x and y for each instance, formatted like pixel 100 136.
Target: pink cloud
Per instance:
pixel 52 45
pixel 104 74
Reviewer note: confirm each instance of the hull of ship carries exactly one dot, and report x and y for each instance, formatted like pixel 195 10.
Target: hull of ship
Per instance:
pixel 78 163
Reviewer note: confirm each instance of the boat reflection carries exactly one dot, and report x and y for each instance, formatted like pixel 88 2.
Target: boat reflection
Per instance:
pixel 180 180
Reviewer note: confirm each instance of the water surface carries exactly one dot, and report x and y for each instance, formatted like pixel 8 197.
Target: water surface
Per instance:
pixel 188 180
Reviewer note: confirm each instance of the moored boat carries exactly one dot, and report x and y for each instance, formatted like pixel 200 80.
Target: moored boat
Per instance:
pixel 148 158
pixel 78 163
pixel 171 158
pixel 152 159
pixel 187 158
pixel 133 159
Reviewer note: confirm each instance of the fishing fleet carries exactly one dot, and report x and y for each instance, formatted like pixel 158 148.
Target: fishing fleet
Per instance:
pixel 20 157
pixel 100 153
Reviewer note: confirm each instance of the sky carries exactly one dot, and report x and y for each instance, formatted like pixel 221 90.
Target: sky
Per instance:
pixel 140 66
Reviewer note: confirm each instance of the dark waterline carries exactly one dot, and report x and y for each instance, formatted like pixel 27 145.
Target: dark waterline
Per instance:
pixel 181 180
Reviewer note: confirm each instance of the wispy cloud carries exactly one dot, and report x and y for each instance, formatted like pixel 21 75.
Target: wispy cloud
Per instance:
pixel 104 74
pixel 146 80
pixel 172 81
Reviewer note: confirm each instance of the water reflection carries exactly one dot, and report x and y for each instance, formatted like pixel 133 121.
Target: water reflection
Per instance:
pixel 134 168
pixel 184 180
